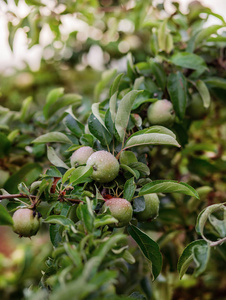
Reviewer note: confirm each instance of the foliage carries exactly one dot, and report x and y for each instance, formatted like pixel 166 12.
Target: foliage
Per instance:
pixel 91 257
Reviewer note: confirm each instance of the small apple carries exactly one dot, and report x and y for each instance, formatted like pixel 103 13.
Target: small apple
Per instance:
pixel 80 156
pixel 127 157
pixel 196 109
pixel 162 113
pixel 151 208
pixel 121 209
pixel 105 166
pixel 26 222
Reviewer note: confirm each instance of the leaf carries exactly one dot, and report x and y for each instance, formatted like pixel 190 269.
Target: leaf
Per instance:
pixel 123 113
pixel 216 82
pixel 168 186
pixel 200 255
pixel 112 106
pixel 177 88
pixel 204 93
pixel 159 73
pixel 99 131
pixel 65 100
pixel 203 217
pixel 206 32
pixel 5 145
pixel 104 220
pixel 138 204
pixel 74 125
pixel 5 218
pixel 219 225
pixel 151 139
pixel 129 189
pixel 188 60
pixel 27 174
pixel 52 97
pixel 25 107
pixel 135 173
pixel 162 35
pixel 115 85
pixel 54 158
pixel 96 113
pixel 80 174
pixel 85 214
pixel 61 220
pixel 105 79
pixel 53 137
pixel 67 175
pixel 154 129
pixel 149 248
pixel 141 167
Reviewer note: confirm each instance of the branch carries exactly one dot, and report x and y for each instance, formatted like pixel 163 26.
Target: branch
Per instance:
pixel 16 196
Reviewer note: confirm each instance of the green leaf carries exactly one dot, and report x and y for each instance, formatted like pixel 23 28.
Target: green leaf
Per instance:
pixel 54 158
pixel 67 175
pixel 168 186
pixel 188 60
pixel 74 125
pixel 52 97
pixel 99 131
pixel 154 129
pixel 115 85
pixel 66 100
pixel 159 74
pixel 85 214
pixel 96 113
pixel 123 113
pixel 27 174
pixel 80 174
pixel 5 145
pixel 177 88
pixel 105 79
pixel 219 225
pixel 204 216
pixel 61 220
pixel 135 173
pixel 198 251
pixel 149 248
pixel 141 167
pixel 216 82
pixel 5 218
pixel 104 220
pixel 151 139
pixel 206 32
pixel 129 189
pixel 112 106
pixel 138 204
pixel 25 107
pixel 204 93
pixel 53 137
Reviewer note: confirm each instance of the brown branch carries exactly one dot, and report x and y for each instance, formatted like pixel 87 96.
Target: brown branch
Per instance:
pixel 16 196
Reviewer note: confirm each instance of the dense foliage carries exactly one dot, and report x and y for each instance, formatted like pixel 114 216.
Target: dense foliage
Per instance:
pixel 126 172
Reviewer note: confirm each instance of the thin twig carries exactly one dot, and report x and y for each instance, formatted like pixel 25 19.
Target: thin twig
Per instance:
pixel 16 196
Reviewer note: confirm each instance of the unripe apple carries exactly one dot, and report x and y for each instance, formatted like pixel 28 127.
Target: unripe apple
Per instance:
pixel 127 157
pixel 121 209
pixel 196 109
pixel 26 222
pixel 162 113
pixel 151 208
pixel 80 156
pixel 105 166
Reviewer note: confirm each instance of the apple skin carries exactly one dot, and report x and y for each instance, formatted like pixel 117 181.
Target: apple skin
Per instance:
pixel 162 113
pixel 127 157
pixel 151 208
pixel 105 166
pixel 80 156
pixel 121 209
pixel 196 109
pixel 26 222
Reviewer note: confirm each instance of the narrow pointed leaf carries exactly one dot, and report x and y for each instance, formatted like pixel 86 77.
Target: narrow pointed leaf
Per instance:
pixel 53 137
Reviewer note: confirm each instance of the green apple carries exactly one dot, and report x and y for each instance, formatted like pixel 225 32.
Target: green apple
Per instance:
pixel 127 157
pixel 151 208
pixel 26 222
pixel 121 209
pixel 105 166
pixel 196 109
pixel 80 156
pixel 162 113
